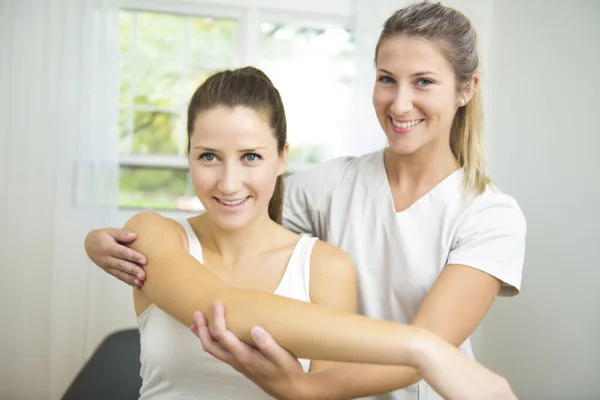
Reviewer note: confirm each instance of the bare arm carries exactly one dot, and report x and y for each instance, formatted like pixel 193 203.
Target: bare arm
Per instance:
pixel 492 238
pixel 452 309
pixel 179 285
pixel 449 372
pixel 332 284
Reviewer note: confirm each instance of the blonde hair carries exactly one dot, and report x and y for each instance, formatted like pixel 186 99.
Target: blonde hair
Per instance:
pixel 453 33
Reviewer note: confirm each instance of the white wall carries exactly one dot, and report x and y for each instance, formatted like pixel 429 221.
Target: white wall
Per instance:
pixel 544 145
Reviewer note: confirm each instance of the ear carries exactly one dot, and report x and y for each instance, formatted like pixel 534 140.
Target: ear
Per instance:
pixel 283 159
pixel 466 95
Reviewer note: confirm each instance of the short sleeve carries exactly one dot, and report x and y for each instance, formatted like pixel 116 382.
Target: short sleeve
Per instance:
pixel 307 194
pixel 492 239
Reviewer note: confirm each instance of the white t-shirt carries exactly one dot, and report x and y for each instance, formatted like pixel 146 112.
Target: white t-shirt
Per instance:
pixel 399 255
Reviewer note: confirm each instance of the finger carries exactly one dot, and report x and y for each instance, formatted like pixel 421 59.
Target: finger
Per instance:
pixel 121 235
pixel 213 347
pixel 219 324
pixel 226 339
pixel 199 319
pixel 236 353
pixel 272 350
pixel 127 267
pixel 125 277
pixel 194 329
pixel 125 253
pixel 219 330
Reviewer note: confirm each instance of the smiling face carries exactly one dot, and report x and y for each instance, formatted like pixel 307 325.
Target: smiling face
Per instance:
pixel 415 95
pixel 234 164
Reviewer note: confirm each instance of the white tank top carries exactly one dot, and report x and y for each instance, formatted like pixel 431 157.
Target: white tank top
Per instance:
pixel 173 363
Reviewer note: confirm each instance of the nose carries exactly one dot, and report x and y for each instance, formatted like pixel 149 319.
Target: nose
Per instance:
pixel 403 101
pixel 230 180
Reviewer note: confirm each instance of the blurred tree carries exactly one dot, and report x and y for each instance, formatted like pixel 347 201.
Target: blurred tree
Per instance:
pixel 164 58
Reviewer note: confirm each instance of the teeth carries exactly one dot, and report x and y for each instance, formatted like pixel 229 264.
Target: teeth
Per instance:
pixel 232 203
pixel 405 125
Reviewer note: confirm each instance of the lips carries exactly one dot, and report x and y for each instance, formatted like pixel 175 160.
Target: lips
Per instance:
pixel 404 126
pixel 232 203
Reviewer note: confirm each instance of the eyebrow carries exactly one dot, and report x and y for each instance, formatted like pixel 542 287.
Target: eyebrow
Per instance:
pixel 205 149
pixel 421 73
pixel 249 150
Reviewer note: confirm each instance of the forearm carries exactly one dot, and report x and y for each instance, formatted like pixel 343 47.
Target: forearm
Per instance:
pixel 306 330
pixel 352 381
pixel 313 332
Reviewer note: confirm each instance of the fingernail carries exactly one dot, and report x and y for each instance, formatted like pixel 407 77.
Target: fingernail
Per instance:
pixel 128 235
pixel 140 260
pixel 137 282
pixel 257 333
pixel 140 276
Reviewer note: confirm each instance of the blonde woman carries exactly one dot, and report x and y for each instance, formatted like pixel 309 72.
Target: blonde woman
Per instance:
pixel 432 240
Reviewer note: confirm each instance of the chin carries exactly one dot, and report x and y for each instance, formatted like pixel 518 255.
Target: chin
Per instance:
pixel 403 147
pixel 230 223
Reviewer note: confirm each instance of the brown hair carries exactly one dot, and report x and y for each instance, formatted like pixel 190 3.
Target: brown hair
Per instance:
pixel 251 88
pixel 453 33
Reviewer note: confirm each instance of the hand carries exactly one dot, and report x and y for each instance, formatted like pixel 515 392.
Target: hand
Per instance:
pixel 457 377
pixel 269 366
pixel 104 248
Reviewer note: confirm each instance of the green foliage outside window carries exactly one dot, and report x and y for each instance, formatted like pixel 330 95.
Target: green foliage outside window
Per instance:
pixel 164 58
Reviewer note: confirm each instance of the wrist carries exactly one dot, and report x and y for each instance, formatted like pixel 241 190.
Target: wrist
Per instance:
pixel 421 350
pixel 307 387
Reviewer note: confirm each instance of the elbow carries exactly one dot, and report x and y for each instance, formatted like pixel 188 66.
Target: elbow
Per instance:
pixel 87 243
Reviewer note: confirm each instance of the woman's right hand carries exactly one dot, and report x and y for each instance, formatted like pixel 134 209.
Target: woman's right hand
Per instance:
pixel 105 248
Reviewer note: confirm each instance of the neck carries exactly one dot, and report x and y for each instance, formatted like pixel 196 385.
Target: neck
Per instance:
pixel 419 171
pixel 235 245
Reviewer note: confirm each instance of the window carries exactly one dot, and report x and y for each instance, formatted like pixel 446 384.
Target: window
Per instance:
pixel 165 56
pixel 313 70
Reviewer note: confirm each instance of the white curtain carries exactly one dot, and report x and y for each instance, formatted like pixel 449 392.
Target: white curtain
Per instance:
pixel 58 179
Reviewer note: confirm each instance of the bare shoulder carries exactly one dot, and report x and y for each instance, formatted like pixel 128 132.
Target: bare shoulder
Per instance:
pixel 152 229
pixel 148 219
pixel 332 277
pixel 326 256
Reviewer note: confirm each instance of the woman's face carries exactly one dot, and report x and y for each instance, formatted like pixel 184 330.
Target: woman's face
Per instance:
pixel 234 164
pixel 415 95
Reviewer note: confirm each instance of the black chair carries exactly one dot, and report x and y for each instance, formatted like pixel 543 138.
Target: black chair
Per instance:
pixel 113 371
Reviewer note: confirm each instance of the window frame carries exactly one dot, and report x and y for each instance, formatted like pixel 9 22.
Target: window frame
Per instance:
pixel 249 17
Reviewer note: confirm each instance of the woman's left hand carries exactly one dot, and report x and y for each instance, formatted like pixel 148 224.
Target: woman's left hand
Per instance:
pixel 270 367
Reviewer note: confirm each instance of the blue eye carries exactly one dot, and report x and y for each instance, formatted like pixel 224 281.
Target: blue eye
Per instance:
pixel 425 82
pixel 385 79
pixel 252 157
pixel 207 156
